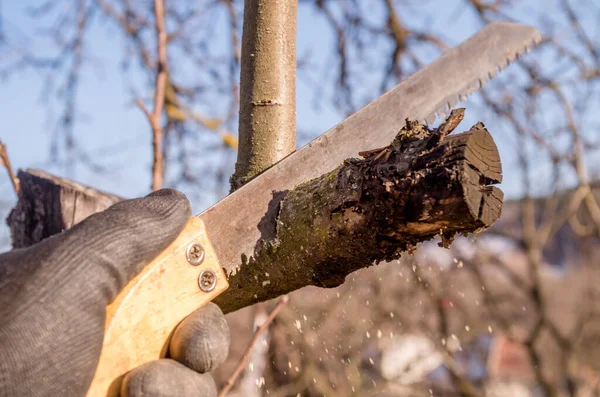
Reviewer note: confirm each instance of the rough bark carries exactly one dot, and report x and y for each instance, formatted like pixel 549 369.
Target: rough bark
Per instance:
pixel 371 210
pixel 267 123
pixel 48 205
pixel 366 211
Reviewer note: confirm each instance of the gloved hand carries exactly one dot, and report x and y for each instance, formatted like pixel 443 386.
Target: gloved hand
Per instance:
pixel 53 297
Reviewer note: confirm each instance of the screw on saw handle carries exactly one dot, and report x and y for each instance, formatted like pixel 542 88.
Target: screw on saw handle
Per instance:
pixel 139 323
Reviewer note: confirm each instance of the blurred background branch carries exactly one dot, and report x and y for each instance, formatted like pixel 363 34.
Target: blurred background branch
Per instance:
pixel 8 166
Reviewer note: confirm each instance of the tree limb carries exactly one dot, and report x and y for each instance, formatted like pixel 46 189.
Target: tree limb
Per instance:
pixel 159 95
pixel 267 126
pixel 48 205
pixel 5 161
pixel 365 211
pixel 241 365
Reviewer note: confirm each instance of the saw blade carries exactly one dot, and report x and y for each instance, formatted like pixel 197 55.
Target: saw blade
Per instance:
pixel 240 221
pixel 509 41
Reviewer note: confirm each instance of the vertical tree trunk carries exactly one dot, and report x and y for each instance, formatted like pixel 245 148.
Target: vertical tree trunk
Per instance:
pixel 267 126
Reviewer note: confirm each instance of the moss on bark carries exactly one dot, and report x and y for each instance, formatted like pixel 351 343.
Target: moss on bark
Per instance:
pixel 373 209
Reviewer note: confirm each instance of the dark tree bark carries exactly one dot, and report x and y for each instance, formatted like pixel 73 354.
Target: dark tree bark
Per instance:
pixel 48 205
pixel 371 210
pixel 367 210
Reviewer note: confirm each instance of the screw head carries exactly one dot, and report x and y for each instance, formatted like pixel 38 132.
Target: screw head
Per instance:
pixel 195 253
pixel 207 280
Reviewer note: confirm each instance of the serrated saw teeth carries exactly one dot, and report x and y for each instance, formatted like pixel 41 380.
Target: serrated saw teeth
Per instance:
pixel 514 47
pixel 430 119
pixel 441 112
pixel 492 74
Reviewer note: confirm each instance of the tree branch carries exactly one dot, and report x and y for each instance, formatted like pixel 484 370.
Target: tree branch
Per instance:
pixel 365 211
pixel 267 126
pixel 48 205
pixel 6 163
pixel 238 370
pixel 159 96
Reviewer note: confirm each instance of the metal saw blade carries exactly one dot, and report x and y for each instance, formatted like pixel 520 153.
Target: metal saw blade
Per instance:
pixel 237 223
pixel 503 42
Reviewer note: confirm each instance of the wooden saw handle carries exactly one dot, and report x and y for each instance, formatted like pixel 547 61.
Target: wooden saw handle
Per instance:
pixel 141 319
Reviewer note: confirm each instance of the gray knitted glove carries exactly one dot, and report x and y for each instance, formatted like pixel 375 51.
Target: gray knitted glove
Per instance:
pixel 53 297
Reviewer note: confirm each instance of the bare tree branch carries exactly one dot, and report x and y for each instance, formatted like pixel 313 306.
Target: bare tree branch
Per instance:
pixel 159 96
pixel 6 164
pixel 242 364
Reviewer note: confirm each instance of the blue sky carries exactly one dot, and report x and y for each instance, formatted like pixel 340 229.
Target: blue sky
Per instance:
pixel 116 129
pixel 112 119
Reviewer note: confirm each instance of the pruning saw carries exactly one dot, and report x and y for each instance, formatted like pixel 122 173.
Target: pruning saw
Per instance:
pixel 188 274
